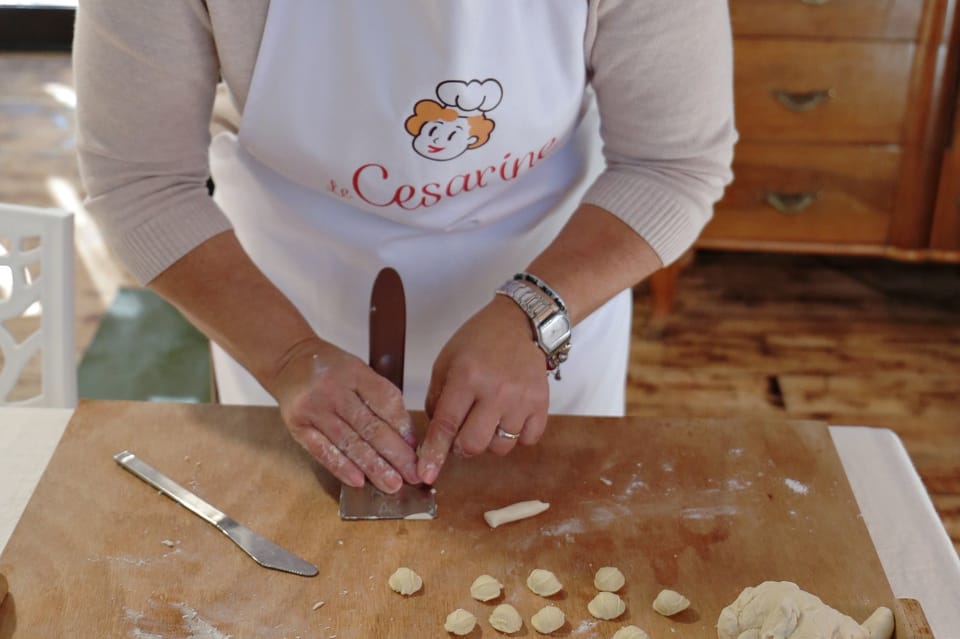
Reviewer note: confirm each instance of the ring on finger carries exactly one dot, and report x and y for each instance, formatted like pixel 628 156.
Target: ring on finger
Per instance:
pixel 506 434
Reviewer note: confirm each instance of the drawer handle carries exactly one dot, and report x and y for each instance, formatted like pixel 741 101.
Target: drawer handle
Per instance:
pixel 816 3
pixel 790 203
pixel 802 101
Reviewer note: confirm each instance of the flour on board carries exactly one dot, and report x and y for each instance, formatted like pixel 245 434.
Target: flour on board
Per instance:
pixel 796 486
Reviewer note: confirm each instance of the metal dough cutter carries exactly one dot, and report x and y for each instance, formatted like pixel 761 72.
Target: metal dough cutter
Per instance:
pixel 388 328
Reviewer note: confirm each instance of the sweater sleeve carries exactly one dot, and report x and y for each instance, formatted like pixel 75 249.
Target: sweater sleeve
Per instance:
pixel 146 74
pixel 662 73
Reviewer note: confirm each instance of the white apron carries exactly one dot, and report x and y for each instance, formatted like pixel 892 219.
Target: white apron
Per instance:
pixel 441 138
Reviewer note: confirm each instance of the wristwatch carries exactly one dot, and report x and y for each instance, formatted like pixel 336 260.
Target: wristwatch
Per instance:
pixel 548 317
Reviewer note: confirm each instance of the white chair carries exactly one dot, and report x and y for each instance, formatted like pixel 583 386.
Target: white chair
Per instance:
pixel 33 237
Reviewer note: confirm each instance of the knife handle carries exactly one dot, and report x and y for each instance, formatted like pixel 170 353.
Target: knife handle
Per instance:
pixel 170 488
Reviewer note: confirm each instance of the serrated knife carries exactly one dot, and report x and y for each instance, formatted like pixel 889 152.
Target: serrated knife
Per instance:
pixel 262 550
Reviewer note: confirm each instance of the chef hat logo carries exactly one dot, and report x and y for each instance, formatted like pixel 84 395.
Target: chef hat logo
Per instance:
pixel 457 121
pixel 475 95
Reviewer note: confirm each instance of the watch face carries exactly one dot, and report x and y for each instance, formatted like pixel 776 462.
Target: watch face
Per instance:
pixel 554 331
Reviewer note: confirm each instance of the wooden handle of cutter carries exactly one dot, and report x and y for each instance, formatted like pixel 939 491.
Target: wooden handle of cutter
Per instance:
pixel 911 623
pixel 3 588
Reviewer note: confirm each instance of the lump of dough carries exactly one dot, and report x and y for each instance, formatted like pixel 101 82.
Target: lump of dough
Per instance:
pixel 543 582
pixel 506 619
pixel 608 579
pixel 485 588
pixel 880 624
pixel 405 581
pixel 460 622
pixel 606 605
pixel 670 602
pixel 779 610
pixel 630 632
pixel 549 618
pixel 514 512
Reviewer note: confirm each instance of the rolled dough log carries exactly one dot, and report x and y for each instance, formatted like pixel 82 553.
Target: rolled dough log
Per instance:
pixel 608 579
pixel 460 622
pixel 506 619
pixel 514 512
pixel 405 581
pixel 485 588
pixel 606 605
pixel 670 602
pixel 630 632
pixel 543 582
pixel 549 618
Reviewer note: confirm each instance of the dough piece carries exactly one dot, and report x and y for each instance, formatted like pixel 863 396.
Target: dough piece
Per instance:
pixel 780 610
pixel 506 619
pixel 405 581
pixel 460 622
pixel 670 602
pixel 485 588
pixel 606 605
pixel 608 579
pixel 880 624
pixel 514 512
pixel 630 632
pixel 549 618
pixel 543 582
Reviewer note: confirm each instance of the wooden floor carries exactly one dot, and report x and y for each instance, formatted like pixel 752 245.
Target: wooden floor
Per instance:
pixel 849 341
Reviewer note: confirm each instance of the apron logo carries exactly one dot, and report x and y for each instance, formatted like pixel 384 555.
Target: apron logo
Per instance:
pixel 446 129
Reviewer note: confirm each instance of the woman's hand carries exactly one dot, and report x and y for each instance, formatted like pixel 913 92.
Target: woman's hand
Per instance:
pixel 346 415
pixel 489 379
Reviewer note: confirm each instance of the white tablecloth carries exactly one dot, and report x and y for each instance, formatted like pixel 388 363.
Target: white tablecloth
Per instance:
pixel 914 549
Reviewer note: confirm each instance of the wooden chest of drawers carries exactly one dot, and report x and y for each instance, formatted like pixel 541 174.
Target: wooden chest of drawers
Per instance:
pixel 849 123
pixel 846 111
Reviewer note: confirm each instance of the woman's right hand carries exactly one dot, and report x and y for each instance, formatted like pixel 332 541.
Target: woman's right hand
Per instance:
pixel 351 419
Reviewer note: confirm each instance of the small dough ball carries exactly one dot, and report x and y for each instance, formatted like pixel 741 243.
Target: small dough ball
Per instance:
pixel 460 622
pixel 485 588
pixel 669 603
pixel 630 632
pixel 608 579
pixel 405 581
pixel 543 582
pixel 506 619
pixel 606 605
pixel 549 618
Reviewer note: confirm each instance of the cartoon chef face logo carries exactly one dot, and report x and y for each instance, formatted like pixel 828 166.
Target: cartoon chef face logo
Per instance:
pixel 444 129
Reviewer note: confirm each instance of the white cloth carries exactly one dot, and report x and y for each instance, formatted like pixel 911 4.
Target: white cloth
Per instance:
pixel 914 549
pixel 450 144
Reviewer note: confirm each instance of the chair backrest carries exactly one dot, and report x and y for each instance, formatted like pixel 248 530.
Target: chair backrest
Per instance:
pixel 36 273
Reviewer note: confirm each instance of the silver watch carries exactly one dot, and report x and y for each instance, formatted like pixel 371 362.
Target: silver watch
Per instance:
pixel 550 322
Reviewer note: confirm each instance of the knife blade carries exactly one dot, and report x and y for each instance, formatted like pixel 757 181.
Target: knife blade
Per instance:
pixel 261 550
pixel 388 329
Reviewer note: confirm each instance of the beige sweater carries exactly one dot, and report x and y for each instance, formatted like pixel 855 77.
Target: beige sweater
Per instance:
pixel 147 73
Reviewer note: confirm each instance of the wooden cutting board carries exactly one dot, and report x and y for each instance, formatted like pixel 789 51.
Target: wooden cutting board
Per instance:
pixel 705 508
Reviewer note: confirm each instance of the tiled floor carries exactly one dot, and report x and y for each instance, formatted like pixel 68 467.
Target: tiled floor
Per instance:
pixel 847 341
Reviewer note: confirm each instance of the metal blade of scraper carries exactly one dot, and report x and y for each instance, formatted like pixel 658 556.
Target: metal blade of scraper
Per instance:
pixel 388 331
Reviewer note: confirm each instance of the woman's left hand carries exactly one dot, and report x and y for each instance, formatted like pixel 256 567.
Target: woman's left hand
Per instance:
pixel 488 390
